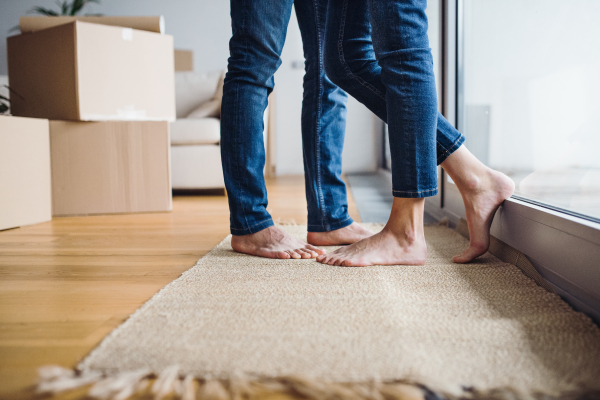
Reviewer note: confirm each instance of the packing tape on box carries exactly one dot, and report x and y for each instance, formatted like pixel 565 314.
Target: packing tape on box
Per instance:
pixel 127 34
pixel 151 24
pixel 128 113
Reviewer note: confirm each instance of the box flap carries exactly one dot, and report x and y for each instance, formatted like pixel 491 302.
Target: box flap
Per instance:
pixel 38 23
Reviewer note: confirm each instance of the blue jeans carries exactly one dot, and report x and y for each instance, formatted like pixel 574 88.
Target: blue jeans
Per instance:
pixel 378 51
pixel 259 28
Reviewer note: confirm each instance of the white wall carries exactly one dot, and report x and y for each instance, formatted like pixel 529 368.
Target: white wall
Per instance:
pixel 205 28
pixel 201 26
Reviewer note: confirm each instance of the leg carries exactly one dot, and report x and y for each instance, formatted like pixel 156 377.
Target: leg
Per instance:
pixel 350 63
pixel 402 50
pixel 323 126
pixel 258 35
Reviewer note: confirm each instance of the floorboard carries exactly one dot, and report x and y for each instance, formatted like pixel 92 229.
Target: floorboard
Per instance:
pixel 66 284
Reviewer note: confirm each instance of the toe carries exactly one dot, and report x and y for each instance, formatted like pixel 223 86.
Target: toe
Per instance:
pixel 464 258
pixel 355 263
pixel 459 258
pixel 283 255
pixel 290 254
pixel 337 260
pixel 271 254
pixel 473 251
pixel 303 253
pixel 313 253
pixel 315 249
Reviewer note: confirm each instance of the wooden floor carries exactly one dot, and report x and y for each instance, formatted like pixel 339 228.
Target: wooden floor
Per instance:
pixel 66 284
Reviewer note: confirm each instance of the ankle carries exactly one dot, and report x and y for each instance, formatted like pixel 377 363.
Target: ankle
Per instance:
pixel 475 182
pixel 471 182
pixel 406 219
pixel 407 235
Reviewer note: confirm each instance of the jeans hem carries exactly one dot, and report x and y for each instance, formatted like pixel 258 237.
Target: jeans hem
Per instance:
pixel 451 149
pixel 415 194
pixel 339 224
pixel 252 229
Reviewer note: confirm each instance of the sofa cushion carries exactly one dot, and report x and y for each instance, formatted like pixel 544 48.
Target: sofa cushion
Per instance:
pixel 196 167
pixel 190 131
pixel 210 108
pixel 193 89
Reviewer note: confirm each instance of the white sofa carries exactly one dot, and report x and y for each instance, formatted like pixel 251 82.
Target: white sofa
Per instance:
pixel 195 149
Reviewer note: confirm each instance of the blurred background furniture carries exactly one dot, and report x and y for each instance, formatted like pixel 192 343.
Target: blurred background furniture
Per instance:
pixel 195 135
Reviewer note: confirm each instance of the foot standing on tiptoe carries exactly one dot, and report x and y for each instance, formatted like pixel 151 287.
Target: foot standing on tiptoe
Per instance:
pixel 384 61
pixel 259 28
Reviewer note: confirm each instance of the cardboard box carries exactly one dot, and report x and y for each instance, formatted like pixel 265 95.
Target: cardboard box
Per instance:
pixel 91 72
pixel 25 197
pixel 110 167
pixel 38 23
pixel 184 60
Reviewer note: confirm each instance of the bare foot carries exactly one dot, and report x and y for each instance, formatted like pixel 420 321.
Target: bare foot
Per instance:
pixel 347 235
pixel 482 197
pixel 383 248
pixel 272 242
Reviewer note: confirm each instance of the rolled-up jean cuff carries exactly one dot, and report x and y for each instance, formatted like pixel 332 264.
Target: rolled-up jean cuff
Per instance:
pixel 415 194
pixel 252 229
pixel 451 149
pixel 331 226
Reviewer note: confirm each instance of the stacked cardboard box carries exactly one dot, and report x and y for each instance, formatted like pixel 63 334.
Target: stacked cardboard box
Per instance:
pixel 109 167
pixel 122 79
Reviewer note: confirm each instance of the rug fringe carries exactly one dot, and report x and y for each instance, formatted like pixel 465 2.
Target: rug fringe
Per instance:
pixel 188 388
pixel 167 382
pixel 121 386
pixel 170 383
pixel 55 379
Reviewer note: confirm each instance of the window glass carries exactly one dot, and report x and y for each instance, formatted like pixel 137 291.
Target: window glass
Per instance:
pixel 531 96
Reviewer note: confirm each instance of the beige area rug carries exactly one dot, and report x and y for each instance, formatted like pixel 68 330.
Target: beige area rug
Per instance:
pixel 450 327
